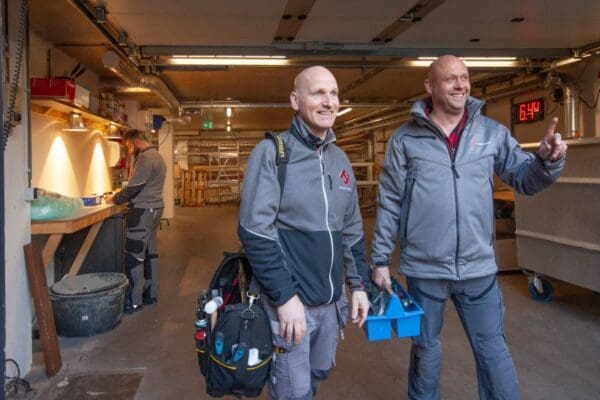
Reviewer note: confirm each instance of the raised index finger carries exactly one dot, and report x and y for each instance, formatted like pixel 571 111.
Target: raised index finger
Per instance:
pixel 550 133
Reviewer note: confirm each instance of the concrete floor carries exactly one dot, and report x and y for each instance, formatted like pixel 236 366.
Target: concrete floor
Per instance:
pixel 555 345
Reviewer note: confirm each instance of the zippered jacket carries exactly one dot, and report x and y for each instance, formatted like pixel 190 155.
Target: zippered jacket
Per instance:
pixel 441 209
pixel 299 241
pixel 146 181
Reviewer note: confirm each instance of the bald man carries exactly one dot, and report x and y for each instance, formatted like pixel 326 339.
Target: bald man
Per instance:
pixel 436 196
pixel 302 235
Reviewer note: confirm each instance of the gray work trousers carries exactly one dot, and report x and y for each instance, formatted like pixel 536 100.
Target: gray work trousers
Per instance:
pixel 481 311
pixel 141 254
pixel 298 370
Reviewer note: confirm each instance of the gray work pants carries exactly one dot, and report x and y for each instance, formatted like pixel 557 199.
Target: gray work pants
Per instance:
pixel 480 308
pixel 298 370
pixel 141 255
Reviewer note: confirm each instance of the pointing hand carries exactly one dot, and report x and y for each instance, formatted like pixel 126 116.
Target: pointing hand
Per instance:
pixel 552 147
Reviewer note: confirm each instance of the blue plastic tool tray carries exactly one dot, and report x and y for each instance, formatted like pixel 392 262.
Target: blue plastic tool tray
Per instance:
pixel 403 316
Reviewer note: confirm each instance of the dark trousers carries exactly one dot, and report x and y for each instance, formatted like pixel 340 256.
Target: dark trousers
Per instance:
pixel 141 260
pixel 481 310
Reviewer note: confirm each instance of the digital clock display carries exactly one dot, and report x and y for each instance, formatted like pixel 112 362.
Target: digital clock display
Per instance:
pixel 528 111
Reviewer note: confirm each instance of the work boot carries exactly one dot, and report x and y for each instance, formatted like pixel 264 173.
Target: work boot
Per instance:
pixel 130 309
pixel 147 299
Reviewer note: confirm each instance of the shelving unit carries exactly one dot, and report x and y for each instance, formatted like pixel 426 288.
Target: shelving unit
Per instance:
pixel 61 110
pixel 226 176
pixel 214 173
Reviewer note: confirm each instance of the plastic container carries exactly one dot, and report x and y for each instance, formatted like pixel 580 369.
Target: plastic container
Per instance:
pixel 88 304
pixel 92 200
pixel 404 320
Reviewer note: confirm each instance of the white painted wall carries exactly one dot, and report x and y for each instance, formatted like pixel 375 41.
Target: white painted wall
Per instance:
pixel 70 163
pixel 17 227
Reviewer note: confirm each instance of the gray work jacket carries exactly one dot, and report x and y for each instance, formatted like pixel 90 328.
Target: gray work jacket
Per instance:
pixel 442 209
pixel 302 241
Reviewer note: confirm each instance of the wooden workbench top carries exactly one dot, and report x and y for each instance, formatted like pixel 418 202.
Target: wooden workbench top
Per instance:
pixel 85 217
pixel 504 195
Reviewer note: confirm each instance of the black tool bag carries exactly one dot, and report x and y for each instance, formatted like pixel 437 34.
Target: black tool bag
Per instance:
pixel 236 355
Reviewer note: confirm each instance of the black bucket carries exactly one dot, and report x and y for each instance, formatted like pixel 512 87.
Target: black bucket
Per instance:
pixel 88 304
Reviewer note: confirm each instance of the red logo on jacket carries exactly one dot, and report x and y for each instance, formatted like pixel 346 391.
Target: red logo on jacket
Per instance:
pixel 345 177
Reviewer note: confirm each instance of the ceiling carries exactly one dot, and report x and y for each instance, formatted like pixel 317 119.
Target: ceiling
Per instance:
pixel 367 45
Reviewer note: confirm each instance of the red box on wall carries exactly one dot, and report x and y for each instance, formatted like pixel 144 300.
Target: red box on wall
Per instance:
pixel 57 88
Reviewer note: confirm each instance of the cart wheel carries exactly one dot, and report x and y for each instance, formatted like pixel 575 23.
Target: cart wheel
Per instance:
pixel 545 295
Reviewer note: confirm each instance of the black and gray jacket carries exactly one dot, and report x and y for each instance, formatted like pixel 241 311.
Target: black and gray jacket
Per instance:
pixel 441 208
pixel 299 241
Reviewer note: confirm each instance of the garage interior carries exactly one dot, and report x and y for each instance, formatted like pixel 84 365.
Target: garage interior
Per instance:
pixel 208 79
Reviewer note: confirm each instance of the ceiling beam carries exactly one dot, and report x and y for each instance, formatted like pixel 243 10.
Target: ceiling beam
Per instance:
pixel 97 16
pixel 294 15
pixel 363 79
pixel 414 15
pixel 166 64
pixel 232 104
pixel 346 49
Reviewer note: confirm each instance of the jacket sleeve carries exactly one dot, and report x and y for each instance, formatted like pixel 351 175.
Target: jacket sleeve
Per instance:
pixel 357 271
pixel 137 181
pixel 522 170
pixel 391 193
pixel 256 229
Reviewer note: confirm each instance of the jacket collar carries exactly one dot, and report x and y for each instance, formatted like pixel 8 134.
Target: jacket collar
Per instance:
pixel 419 114
pixel 302 133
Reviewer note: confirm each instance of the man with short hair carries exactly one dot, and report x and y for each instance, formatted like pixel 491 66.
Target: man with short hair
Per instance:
pixel 300 237
pixel 144 192
pixel 436 195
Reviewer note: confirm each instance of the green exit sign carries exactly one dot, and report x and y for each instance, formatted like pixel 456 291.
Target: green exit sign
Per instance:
pixel 207 124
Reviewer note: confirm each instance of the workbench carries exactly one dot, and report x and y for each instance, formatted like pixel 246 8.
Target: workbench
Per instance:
pixel 92 217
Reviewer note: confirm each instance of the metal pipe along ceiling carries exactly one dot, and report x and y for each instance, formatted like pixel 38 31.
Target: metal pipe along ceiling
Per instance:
pixel 134 77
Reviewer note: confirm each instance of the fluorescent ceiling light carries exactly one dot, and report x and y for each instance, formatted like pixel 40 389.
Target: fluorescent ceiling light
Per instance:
pixel 224 61
pixel 344 111
pixel 228 128
pixel 490 62
pixel 228 112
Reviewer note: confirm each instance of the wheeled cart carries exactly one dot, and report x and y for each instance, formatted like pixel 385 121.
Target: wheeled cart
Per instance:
pixel 558 230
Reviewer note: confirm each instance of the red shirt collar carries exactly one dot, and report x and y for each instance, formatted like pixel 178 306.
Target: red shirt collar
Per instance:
pixel 454 137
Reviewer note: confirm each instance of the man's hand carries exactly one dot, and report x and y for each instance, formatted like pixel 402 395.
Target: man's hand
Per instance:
pixel 381 277
pixel 109 199
pixel 360 307
pixel 292 320
pixel 552 147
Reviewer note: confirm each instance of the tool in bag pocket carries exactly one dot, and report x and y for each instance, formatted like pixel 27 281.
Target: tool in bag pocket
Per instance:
pixel 235 350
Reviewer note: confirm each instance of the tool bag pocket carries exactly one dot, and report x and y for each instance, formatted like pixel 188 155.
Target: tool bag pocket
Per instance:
pixel 240 353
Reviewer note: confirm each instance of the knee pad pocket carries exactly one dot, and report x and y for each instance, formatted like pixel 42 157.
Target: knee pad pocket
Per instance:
pixel 134 245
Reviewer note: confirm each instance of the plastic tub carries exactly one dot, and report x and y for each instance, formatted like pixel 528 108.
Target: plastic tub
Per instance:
pixel 92 200
pixel 88 304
